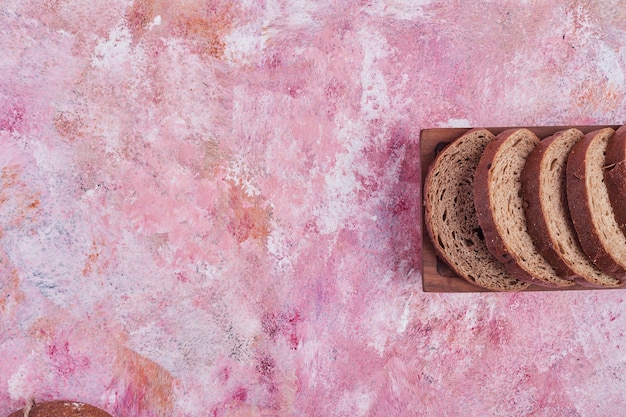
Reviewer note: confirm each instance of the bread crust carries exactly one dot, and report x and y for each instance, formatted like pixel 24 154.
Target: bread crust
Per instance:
pixel 493 239
pixel 535 220
pixel 615 175
pixel 581 212
pixel 62 409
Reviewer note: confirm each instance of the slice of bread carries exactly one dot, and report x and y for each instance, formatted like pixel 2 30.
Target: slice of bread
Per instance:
pixel 60 409
pixel 615 175
pixel 450 217
pixel 499 207
pixel 588 199
pixel 547 214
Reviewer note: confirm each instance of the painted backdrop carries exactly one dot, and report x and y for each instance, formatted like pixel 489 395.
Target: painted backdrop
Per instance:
pixel 211 208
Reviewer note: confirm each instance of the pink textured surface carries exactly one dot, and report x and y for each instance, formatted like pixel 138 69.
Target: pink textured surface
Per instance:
pixel 210 208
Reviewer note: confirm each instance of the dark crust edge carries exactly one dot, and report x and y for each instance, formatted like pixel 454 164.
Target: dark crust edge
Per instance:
pixel 493 239
pixel 581 211
pixel 429 227
pixel 615 175
pixel 53 408
pixel 535 217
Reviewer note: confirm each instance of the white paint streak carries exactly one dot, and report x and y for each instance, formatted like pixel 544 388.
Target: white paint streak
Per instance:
pixel 238 173
pixel 112 53
pixel 155 22
pixel 310 353
pixel 610 65
pixel 385 320
pixel 299 13
pixel 456 123
pixel 355 403
pixel 244 44
pixel 399 9
pixel 20 381
pixel 280 248
pixel 375 97
pixel 341 182
pixel 404 319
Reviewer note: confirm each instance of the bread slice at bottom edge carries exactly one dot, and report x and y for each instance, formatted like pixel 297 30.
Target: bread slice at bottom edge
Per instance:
pixel 590 206
pixel 450 216
pixel 61 409
pixel 615 175
pixel 547 213
pixel 500 212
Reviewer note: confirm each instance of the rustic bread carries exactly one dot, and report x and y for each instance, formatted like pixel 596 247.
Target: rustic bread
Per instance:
pixel 60 409
pixel 499 207
pixel 450 217
pixel 590 207
pixel 547 214
pixel 615 175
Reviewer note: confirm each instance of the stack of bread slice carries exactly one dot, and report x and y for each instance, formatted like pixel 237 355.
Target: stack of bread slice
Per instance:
pixel 512 210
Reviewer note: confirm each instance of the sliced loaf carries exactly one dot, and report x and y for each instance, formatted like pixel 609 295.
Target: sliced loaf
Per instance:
pixel 615 175
pixel 450 216
pixel 590 207
pixel 547 214
pixel 499 207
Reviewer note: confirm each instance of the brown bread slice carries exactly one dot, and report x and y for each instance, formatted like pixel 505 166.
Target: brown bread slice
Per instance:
pixel 615 175
pixel 499 206
pixel 589 203
pixel 450 217
pixel 60 409
pixel 547 214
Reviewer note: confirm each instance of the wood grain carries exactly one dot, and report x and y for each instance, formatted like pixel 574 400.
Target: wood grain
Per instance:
pixel 436 275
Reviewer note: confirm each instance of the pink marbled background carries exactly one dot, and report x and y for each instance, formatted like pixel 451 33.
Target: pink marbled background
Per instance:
pixel 212 208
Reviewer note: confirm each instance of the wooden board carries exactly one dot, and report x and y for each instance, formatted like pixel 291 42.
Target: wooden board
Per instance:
pixel 436 275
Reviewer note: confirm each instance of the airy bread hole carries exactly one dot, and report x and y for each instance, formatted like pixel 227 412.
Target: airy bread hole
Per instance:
pixel 553 165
